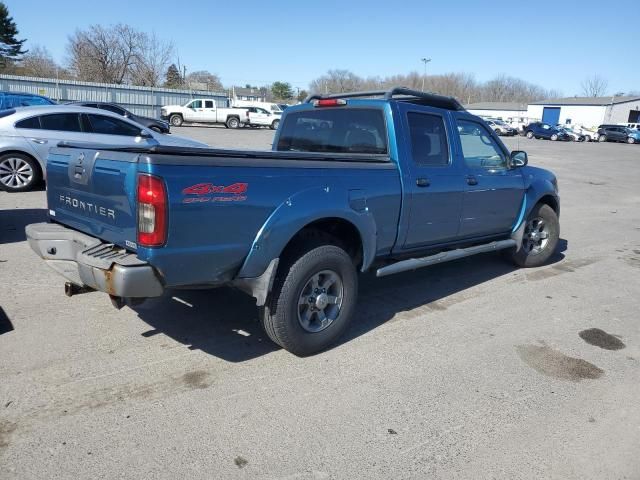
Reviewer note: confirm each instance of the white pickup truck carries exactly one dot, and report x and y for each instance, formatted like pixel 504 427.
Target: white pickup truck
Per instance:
pixel 203 110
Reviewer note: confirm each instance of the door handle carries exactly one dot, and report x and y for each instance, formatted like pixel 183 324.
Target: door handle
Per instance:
pixel 38 140
pixel 423 182
pixel 471 180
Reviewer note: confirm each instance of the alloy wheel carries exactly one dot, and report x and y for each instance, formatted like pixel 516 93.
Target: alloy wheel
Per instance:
pixel 320 301
pixel 15 173
pixel 536 236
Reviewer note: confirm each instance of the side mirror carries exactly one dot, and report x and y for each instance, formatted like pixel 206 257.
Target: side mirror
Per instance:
pixel 145 134
pixel 518 158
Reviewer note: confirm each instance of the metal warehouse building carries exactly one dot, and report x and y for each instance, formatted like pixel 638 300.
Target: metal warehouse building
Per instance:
pixel 587 111
pixel 501 110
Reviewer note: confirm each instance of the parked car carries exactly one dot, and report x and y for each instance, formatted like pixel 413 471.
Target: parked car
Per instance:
pixel 27 134
pixel 618 133
pixel 283 106
pixel 500 127
pixel 202 110
pixel 259 117
pixel 589 134
pixel 159 126
pixel 292 227
pixel 573 134
pixel 546 131
pixel 268 106
pixel 13 100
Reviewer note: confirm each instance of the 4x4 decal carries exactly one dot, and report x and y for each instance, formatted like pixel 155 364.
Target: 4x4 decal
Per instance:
pixel 208 192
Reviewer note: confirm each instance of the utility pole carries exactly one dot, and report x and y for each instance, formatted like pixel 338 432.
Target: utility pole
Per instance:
pixel 425 61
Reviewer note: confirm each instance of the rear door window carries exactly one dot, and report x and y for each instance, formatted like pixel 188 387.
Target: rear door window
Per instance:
pixel 112 126
pixel 335 130
pixel 208 104
pixel 428 139
pixel 63 122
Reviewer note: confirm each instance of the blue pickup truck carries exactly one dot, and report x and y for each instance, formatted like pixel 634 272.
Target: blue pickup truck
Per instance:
pixel 390 181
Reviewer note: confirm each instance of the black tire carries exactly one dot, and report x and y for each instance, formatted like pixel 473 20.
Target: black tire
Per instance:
pixel 274 125
pixel 529 134
pixel 233 122
pixel 156 129
pixel 280 315
pixel 176 120
pixel 19 172
pixel 528 258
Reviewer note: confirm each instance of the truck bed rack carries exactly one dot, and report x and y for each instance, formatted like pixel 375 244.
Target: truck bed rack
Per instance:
pixel 401 94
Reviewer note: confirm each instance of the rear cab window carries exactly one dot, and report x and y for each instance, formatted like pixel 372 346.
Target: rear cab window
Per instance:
pixel 358 130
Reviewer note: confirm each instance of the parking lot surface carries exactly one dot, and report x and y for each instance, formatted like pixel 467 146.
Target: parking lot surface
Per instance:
pixel 471 369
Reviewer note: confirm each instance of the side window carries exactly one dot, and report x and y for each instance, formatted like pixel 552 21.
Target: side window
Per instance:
pixel 195 104
pixel 478 147
pixel 64 122
pixel 112 108
pixel 208 104
pixel 33 122
pixel 112 126
pixel 428 139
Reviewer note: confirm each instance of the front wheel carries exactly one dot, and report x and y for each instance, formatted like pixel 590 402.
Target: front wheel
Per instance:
pixel 631 140
pixel 540 238
pixel 529 134
pixel 602 138
pixel 587 139
pixel 313 300
pixel 274 125
pixel 554 137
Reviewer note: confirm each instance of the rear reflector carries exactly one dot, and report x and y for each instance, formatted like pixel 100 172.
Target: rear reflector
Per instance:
pixel 152 211
pixel 329 102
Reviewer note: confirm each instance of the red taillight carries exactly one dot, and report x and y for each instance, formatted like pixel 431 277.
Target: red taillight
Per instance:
pixel 329 102
pixel 152 211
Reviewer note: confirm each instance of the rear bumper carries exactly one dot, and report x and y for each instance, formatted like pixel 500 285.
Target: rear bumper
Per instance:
pixel 88 262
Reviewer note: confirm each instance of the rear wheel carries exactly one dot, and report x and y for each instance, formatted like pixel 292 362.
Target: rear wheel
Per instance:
pixel 529 134
pixel 313 299
pixel 274 125
pixel 554 137
pixel 156 129
pixel 602 138
pixel 631 140
pixel 18 172
pixel 233 122
pixel 587 138
pixel 176 120
pixel 540 239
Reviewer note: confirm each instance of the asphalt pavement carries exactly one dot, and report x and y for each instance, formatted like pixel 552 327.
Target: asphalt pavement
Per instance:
pixel 467 370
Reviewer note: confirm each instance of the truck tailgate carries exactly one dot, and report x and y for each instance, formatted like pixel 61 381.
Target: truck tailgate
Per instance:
pixel 94 192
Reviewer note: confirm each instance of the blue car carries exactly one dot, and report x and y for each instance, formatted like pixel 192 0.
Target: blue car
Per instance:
pixel 546 131
pixel 17 99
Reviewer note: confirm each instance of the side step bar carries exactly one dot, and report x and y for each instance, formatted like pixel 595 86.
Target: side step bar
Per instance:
pixel 415 263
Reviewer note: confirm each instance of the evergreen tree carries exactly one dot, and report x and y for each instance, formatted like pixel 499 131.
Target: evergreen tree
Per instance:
pixel 173 77
pixel 10 46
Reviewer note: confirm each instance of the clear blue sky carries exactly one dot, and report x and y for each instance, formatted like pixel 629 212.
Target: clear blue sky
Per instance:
pixel 296 41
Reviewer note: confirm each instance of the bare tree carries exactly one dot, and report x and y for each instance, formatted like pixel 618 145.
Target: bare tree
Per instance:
pixel 205 80
pixel 151 61
pixel 594 86
pixel 118 54
pixel 38 62
pixel 337 81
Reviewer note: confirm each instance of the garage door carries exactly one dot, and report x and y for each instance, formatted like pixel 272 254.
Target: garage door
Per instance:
pixel 551 115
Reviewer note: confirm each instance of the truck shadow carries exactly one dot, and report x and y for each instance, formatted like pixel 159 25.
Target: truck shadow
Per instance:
pixel 224 322
pixel 12 223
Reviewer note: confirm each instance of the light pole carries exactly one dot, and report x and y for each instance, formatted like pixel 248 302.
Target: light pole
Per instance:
pixel 425 61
